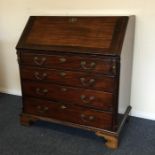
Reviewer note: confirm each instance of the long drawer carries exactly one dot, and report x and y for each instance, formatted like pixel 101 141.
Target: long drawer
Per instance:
pixel 70 78
pixel 68 113
pixel 86 97
pixel 69 62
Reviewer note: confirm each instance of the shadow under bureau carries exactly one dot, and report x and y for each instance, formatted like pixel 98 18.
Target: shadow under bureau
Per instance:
pixel 76 71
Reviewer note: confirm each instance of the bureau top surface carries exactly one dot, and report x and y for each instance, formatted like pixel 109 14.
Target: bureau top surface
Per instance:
pixel 94 35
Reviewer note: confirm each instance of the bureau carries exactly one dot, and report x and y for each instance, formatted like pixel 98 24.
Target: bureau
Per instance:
pixel 76 71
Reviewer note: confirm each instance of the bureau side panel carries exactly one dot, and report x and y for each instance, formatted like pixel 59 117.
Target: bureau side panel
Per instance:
pixel 126 66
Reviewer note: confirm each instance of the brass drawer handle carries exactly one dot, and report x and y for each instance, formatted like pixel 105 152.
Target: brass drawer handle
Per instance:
pixel 64 89
pixel 84 65
pixel 63 107
pixel 62 59
pixel 62 74
pixel 114 66
pixel 91 118
pixel 87 118
pixel 87 100
pixel 114 69
pixel 42 110
pixel 39 76
pixel 86 82
pixel 39 61
pixel 41 92
pixel 72 20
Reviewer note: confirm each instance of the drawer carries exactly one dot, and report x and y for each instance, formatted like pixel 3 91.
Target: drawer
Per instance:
pixel 68 113
pixel 70 78
pixel 69 62
pixel 85 97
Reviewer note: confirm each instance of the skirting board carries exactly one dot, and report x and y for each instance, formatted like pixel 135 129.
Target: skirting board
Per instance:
pixel 10 91
pixel 140 114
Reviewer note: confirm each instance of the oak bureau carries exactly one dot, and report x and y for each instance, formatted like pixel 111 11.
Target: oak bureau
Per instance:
pixel 76 71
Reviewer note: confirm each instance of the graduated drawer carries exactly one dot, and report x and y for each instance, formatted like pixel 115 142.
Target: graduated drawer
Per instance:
pixel 86 97
pixel 70 62
pixel 68 113
pixel 70 78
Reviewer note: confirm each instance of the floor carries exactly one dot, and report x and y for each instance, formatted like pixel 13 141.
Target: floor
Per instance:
pixel 137 138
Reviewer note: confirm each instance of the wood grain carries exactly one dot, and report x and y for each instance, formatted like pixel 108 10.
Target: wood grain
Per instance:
pixel 96 99
pixel 100 35
pixel 67 112
pixel 70 62
pixel 70 72
pixel 70 78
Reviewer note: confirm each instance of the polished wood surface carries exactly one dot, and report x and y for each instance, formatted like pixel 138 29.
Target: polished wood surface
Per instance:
pixel 68 112
pixel 100 35
pixel 105 65
pixel 85 97
pixel 87 80
pixel 71 72
pixel 72 32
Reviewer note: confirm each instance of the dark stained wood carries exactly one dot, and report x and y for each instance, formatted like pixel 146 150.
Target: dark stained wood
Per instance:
pixel 105 66
pixel 70 113
pixel 72 33
pixel 90 98
pixel 75 70
pixel 69 78
pixel 65 32
pixel 118 35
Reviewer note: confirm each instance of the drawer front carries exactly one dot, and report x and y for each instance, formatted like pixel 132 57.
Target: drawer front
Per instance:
pixel 70 78
pixel 105 65
pixel 86 97
pixel 68 113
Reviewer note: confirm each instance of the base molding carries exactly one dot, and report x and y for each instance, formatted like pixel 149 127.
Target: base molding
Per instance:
pixel 111 140
pixel 111 137
pixel 144 115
